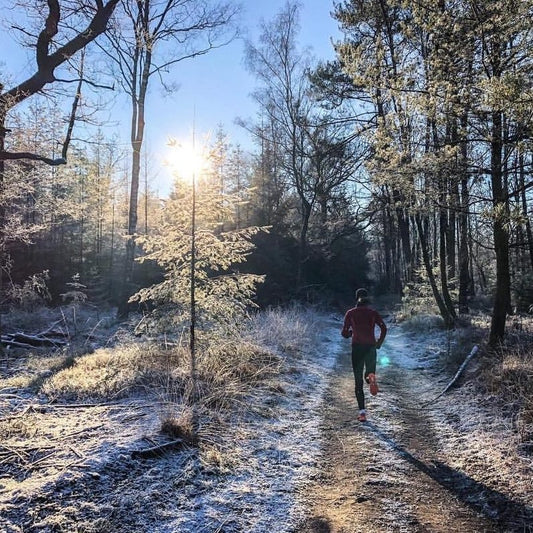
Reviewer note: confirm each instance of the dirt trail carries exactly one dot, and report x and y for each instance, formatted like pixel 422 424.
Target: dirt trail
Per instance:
pixel 299 463
pixel 391 473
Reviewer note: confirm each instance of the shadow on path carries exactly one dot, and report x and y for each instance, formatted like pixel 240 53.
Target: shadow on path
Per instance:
pixel 315 525
pixel 495 505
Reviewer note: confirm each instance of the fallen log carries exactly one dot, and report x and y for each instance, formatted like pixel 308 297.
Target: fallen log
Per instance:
pixel 23 340
pixel 14 344
pixel 156 451
pixel 36 340
pixel 457 375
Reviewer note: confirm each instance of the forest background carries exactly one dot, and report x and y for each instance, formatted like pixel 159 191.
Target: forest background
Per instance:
pixel 203 321
pixel 403 165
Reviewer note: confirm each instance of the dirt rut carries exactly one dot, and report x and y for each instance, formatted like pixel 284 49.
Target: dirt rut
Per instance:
pixel 387 474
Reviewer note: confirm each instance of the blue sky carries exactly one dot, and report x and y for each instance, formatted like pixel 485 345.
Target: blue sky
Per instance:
pixel 213 89
pixel 217 84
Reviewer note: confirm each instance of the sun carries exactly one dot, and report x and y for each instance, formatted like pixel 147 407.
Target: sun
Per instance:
pixel 185 160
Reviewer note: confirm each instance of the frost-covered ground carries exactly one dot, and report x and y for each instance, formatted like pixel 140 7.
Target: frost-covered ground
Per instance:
pixel 71 469
pixel 276 455
pixel 299 462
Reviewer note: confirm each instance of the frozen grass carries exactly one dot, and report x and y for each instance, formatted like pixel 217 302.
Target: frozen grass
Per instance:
pixel 231 371
pixel 286 330
pixel 226 370
pixel 509 373
pixel 106 374
pixel 34 320
pixel 31 371
pixel 421 323
pixel 506 373
pixel 256 406
pixel 70 319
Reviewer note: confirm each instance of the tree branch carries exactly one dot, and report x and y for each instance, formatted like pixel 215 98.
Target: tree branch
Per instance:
pixel 14 156
pixel 47 63
pixel 88 82
pixel 48 33
pixel 74 109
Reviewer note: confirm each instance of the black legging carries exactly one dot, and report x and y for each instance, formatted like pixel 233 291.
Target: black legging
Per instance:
pixel 363 357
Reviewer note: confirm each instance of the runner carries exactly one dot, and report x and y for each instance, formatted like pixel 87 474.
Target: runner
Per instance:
pixel 359 324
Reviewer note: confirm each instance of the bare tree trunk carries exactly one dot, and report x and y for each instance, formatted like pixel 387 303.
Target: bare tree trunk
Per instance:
pixel 405 238
pixel 523 198
pixel 451 234
pixel 2 219
pixel 137 137
pixel 302 248
pixel 387 246
pixel 464 250
pixel 445 314
pixel 502 297
pixel 443 256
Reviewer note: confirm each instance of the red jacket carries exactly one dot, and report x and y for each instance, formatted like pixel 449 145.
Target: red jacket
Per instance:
pixel 360 322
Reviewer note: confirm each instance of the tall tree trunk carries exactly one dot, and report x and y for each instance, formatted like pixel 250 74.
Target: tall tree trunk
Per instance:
pixel 2 215
pixel 137 137
pixel 302 248
pixel 404 234
pixel 523 198
pixel 444 312
pixel 443 257
pixel 464 200
pixel 451 234
pixel 502 297
pixel 387 251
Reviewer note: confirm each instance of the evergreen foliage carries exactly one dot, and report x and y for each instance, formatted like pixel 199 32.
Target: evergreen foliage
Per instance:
pixel 223 294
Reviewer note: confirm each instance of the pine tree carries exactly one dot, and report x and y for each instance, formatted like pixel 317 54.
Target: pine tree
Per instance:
pixel 223 294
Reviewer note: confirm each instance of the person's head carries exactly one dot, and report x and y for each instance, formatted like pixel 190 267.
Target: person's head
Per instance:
pixel 361 296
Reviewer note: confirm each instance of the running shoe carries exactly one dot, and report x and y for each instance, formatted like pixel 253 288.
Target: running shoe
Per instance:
pixel 361 417
pixel 373 384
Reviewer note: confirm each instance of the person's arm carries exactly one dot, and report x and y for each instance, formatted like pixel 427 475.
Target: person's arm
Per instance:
pixel 383 330
pixel 346 328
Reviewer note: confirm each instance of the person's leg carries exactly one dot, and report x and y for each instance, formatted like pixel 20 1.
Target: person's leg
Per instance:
pixel 370 369
pixel 370 356
pixel 358 362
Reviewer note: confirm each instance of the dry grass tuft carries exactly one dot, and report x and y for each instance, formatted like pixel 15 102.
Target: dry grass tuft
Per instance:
pixel 286 330
pixel 508 372
pixel 419 323
pixel 232 372
pixel 513 378
pixel 180 426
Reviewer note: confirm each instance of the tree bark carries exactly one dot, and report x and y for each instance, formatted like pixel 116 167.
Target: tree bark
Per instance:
pixel 138 101
pixel 444 312
pixel 523 199
pixel 302 248
pixel 502 298
pixel 443 257
pixel 464 200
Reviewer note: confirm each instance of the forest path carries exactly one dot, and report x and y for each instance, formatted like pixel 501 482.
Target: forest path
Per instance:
pixel 390 473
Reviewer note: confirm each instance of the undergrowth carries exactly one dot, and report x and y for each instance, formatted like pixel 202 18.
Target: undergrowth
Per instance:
pixel 233 370
pixel 508 372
